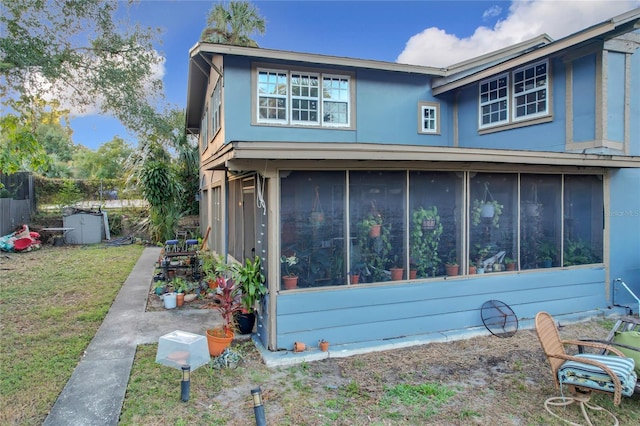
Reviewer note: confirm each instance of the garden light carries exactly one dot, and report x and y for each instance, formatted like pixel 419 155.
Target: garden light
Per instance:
pixel 258 408
pixel 185 384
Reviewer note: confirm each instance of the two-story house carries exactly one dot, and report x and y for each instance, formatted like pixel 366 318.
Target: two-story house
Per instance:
pixel 404 197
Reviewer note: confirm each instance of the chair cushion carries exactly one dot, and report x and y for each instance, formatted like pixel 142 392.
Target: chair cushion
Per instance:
pixel 589 376
pixel 630 338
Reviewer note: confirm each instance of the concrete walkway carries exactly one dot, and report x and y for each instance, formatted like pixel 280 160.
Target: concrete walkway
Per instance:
pixel 96 389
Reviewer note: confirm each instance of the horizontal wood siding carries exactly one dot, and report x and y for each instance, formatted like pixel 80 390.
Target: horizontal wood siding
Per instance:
pixel 371 313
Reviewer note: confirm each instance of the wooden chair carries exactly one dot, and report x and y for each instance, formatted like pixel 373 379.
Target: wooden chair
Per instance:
pixel 584 373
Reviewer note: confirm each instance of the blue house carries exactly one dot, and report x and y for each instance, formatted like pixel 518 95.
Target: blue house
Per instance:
pixel 403 197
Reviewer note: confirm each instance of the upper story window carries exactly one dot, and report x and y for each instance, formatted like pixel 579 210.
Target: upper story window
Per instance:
pixel 303 98
pixel 494 101
pixel 530 91
pixel 204 131
pixel 519 95
pixel 428 118
pixel 216 109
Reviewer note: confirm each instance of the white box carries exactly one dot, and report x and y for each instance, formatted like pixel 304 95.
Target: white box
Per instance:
pixel 180 347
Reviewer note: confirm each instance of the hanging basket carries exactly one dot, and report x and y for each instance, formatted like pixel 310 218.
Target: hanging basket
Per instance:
pixel 317 214
pixel 487 210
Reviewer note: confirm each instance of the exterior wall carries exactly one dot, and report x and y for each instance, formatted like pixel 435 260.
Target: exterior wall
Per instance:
pixel 615 87
pixel 624 232
pixel 538 137
pixel 386 109
pixel 583 98
pixel 634 107
pixel 365 314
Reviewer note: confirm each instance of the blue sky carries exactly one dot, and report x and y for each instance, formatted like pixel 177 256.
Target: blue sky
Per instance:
pixel 427 32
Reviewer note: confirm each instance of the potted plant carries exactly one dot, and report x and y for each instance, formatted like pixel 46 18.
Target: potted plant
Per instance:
pixel 452 266
pixel 577 252
pixel 289 280
pixel 510 264
pixel 180 286
pixel 426 231
pixel 374 251
pixel 229 302
pixel 250 281
pixel 546 253
pixel 373 223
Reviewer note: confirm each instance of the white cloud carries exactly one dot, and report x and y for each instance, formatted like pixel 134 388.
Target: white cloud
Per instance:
pixel 526 19
pixel 492 12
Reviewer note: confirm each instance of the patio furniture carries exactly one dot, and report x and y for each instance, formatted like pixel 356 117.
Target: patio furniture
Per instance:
pixel 625 336
pixel 583 373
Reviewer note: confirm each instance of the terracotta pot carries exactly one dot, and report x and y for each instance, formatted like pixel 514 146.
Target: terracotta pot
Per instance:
pixel 413 274
pixel 180 299
pixel 396 274
pixel 354 279
pixel 213 284
pixel 299 347
pixel 290 282
pixel 324 345
pixel 218 340
pixel 510 266
pixel 452 270
pixel 374 231
pixel 472 270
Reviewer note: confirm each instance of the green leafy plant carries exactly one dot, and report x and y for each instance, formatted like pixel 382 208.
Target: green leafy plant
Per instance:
pixel 476 212
pixel 547 250
pixel 289 263
pixel 426 231
pixel 577 252
pixel 250 281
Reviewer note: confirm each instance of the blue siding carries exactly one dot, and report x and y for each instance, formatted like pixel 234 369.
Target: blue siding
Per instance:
pixel 615 97
pixel 360 313
pixel 386 110
pixel 584 99
pixel 624 216
pixel 540 137
pixel 634 124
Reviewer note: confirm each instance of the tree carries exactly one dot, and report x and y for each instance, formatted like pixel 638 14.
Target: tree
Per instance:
pixel 76 53
pixel 233 25
pixel 105 163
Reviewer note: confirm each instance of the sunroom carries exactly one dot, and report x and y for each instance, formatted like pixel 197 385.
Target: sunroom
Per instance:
pixel 518 229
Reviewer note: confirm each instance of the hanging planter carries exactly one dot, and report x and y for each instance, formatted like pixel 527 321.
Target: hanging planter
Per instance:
pixel 487 209
pixel 317 214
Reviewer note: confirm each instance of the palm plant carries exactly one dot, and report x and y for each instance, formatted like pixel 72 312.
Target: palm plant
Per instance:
pixel 233 25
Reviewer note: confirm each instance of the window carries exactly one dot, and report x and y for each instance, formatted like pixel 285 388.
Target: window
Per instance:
pixel 428 118
pixel 204 131
pixel 303 98
pixel 530 91
pixel 272 96
pixel 521 95
pixel 493 101
pixel 413 223
pixel 216 107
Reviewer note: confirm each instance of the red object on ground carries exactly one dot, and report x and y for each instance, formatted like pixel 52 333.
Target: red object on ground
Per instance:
pixel 22 244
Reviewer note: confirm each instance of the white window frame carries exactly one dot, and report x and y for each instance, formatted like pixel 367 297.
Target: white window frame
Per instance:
pixel 434 118
pixel 536 88
pixel 303 98
pixel 342 101
pixel 204 129
pixel 490 102
pixel 216 107
pixel 276 96
pixel 539 86
pixel 321 99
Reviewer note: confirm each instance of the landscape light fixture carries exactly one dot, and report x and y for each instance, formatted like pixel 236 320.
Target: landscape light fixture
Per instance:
pixel 185 384
pixel 258 408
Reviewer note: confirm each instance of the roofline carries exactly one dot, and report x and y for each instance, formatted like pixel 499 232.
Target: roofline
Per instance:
pixel 442 85
pixel 254 52
pixel 299 151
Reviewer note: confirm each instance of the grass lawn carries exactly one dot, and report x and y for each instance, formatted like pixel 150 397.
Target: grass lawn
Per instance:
pixel 52 302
